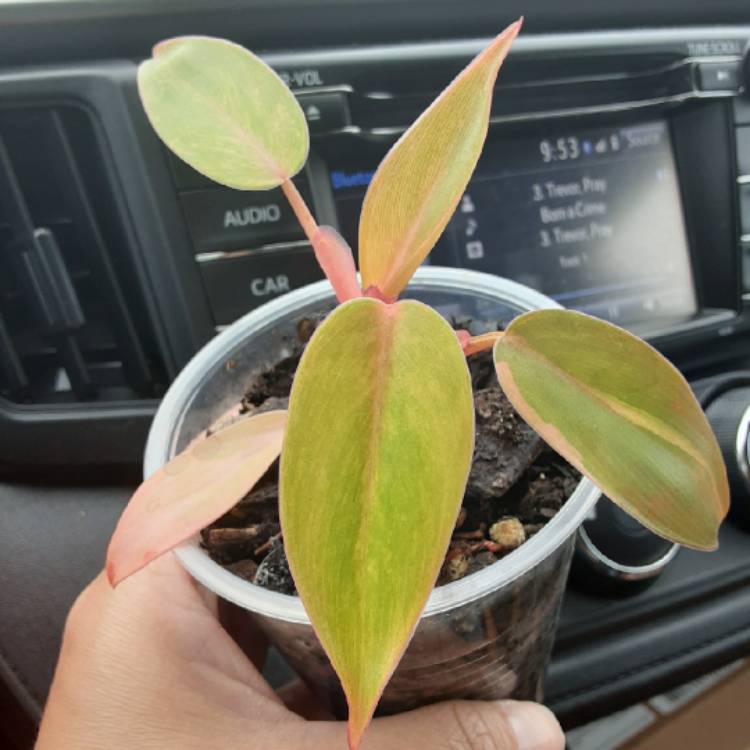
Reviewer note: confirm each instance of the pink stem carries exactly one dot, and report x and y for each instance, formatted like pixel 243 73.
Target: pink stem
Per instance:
pixel 301 211
pixel 473 344
pixel 375 293
pixel 331 251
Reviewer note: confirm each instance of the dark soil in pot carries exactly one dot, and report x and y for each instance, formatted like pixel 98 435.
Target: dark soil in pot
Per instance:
pixel 516 485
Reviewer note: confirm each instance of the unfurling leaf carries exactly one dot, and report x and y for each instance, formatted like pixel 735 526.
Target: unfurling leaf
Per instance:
pixel 335 258
pixel 193 490
pixel 375 461
pixel 224 111
pixel 623 415
pixel 419 183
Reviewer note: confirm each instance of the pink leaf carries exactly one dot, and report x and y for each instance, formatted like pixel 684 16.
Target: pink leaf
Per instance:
pixel 335 258
pixel 418 185
pixel 193 490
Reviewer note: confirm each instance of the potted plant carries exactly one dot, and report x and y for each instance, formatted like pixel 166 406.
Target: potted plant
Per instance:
pixel 378 439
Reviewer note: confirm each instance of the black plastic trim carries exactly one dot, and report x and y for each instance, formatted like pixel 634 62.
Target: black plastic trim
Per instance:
pixel 612 652
pixel 80 29
pixel 79 435
pixel 82 434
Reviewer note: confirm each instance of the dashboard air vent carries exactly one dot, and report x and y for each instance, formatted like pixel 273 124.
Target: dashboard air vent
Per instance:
pixel 73 321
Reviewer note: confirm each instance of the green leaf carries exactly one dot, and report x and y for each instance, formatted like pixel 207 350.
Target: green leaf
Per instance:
pixel 419 183
pixel 193 490
pixel 375 461
pixel 224 111
pixel 623 415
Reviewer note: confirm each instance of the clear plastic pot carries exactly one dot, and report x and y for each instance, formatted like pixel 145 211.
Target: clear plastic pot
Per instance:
pixel 488 635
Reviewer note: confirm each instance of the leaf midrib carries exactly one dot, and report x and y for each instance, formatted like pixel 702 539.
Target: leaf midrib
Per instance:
pixel 387 322
pixel 635 416
pixel 254 146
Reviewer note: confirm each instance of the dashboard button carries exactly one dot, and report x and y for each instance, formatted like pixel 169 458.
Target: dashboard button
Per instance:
pixel 224 219
pixel 185 177
pixel 719 76
pixel 325 112
pixel 614 551
pixel 743 150
pixel 238 284
pixel 729 416
pixel 745 248
pixel 745 208
pixel 742 110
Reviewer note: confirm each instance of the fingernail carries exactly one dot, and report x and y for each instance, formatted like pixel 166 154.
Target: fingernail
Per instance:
pixel 534 726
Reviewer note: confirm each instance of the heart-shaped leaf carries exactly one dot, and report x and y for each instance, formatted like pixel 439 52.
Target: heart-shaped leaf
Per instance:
pixel 193 490
pixel 623 415
pixel 375 461
pixel 419 183
pixel 224 111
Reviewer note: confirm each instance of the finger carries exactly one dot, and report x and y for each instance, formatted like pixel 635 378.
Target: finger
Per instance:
pixel 161 614
pixel 456 725
pixel 209 599
pixel 147 665
pixel 302 701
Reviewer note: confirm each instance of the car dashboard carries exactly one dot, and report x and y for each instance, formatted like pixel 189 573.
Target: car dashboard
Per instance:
pixel 615 179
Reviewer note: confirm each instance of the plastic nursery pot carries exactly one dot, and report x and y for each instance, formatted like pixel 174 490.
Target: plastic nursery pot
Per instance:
pixel 488 635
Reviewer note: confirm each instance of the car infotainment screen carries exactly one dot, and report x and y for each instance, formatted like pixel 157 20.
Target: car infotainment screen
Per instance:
pixel 592 218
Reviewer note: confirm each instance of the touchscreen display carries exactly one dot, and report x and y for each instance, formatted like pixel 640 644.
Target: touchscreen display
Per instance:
pixel 592 218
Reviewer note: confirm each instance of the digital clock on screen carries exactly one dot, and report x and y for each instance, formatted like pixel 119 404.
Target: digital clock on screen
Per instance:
pixel 567 148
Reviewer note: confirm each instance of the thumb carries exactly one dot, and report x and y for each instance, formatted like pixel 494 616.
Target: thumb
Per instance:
pixel 455 725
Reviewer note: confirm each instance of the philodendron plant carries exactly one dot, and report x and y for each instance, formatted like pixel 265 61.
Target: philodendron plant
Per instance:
pixel 378 439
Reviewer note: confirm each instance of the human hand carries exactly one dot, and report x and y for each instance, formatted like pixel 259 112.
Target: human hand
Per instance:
pixel 148 665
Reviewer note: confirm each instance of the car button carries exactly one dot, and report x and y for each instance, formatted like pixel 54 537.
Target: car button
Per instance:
pixel 224 219
pixel 325 112
pixel 719 76
pixel 742 110
pixel 187 178
pixel 743 151
pixel 237 284
pixel 745 209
